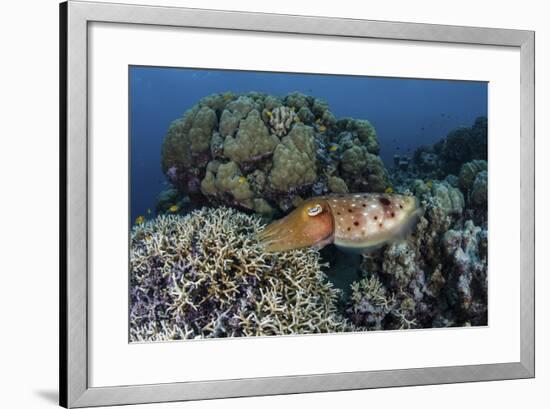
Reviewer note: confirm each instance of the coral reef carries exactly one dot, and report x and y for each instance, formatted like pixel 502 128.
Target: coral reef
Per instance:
pixel 205 275
pixel 473 182
pixel 253 140
pixel 461 145
pixel 450 199
pixel 435 278
pixel 282 150
pixel 466 251
pixel 281 120
pixel 294 160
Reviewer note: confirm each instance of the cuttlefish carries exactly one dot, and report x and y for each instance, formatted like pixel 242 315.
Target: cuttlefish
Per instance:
pixel 354 222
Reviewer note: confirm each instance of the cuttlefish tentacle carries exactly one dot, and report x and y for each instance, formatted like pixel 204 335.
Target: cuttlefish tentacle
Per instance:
pixel 355 222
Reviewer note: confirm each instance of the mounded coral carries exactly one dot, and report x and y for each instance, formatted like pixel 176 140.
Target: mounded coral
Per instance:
pixel 282 149
pixel 205 275
pixel 253 140
pixel 227 178
pixel 468 173
pixel 479 191
pixel 363 171
pixel 450 199
pixel 294 160
pixel 474 182
pixel 337 185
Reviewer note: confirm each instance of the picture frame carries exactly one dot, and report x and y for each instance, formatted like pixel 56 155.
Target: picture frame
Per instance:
pixel 75 17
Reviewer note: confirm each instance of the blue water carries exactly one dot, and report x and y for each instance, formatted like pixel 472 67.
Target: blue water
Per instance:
pixel 406 113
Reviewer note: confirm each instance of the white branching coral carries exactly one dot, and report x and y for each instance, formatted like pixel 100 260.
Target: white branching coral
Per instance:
pixel 205 275
pixel 281 120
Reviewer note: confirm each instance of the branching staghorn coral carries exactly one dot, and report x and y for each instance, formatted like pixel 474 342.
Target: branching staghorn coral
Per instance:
pixel 205 275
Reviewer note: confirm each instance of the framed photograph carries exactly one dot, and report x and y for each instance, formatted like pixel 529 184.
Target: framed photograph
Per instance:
pixel 258 204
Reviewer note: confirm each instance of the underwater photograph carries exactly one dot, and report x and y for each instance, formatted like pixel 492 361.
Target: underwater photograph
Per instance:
pixel 268 203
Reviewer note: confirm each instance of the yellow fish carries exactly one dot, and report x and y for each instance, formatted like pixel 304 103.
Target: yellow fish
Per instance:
pixel 429 183
pixel 322 128
pixel 139 220
pixel 318 121
pixel 354 222
pixel 173 208
pixel 333 148
pixel 242 180
pixel 269 113
pixel 389 189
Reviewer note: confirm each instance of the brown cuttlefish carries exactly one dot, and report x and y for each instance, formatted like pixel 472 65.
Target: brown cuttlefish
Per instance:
pixel 353 222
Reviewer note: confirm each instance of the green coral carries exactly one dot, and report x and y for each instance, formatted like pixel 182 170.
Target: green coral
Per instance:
pixel 188 137
pixel 227 178
pixel 229 122
pixel 296 100
pixel 468 173
pixel 450 199
pixel 337 185
pixel 253 140
pixel 473 180
pixel 241 106
pixel 479 191
pixel 361 165
pixel 363 131
pixel 203 124
pixel 282 146
pixel 294 160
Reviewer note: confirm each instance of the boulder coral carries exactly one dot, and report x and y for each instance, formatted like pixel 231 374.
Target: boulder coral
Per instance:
pixel 450 199
pixel 473 180
pixel 281 149
pixel 205 275
pixel 253 140
pixel 294 160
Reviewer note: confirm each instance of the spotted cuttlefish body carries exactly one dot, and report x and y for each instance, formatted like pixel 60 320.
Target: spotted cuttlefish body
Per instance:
pixel 353 222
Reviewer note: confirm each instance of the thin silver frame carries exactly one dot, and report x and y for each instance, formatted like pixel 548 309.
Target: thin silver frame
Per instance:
pixel 75 16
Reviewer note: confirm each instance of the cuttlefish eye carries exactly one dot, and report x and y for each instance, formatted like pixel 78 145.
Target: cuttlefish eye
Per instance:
pixel 315 210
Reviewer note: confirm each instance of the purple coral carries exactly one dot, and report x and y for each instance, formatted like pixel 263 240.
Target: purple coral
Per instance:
pixel 172 174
